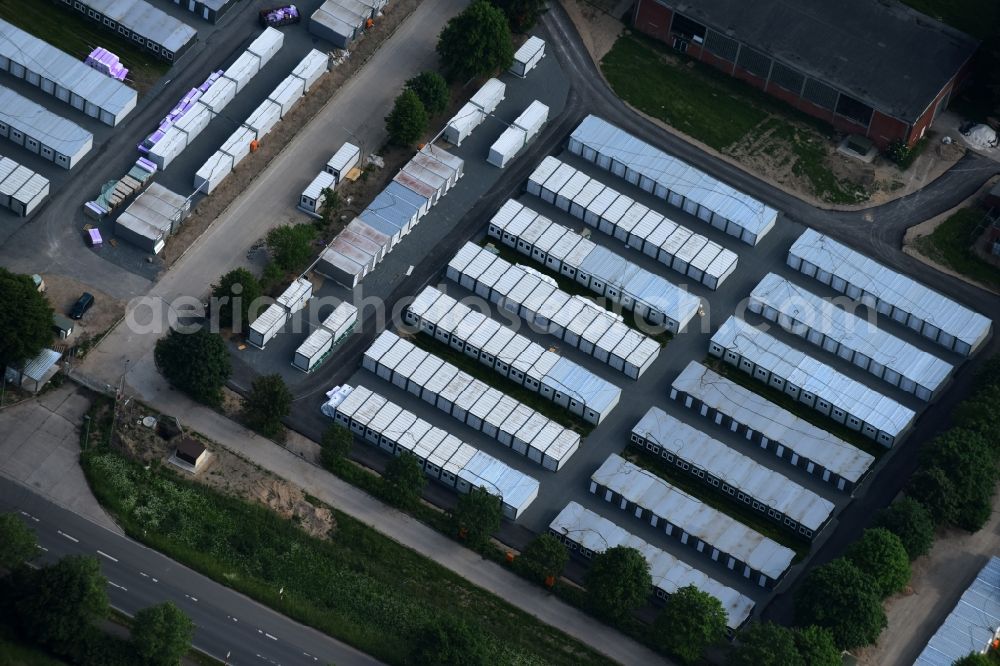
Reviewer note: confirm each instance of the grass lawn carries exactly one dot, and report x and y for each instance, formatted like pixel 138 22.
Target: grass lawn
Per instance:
pixel 721 111
pixel 357 585
pixel 67 30
pixel 717 500
pixel 15 653
pixel 976 17
pixel 951 244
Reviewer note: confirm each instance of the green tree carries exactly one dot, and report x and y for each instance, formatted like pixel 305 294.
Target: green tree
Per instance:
pixel 968 461
pixel 690 622
pixel 979 414
pixel 932 488
pixel 268 402
pixel 521 14
pixel 974 659
pixel 59 603
pixel 432 90
pixel 237 290
pixel 335 445
pixel 765 644
pixel 407 121
pixel 839 597
pixel 881 555
pixel 25 319
pixel 618 582
pixel 911 522
pixel 816 647
pixel 477 515
pixel 18 543
pixel 404 480
pixel 449 642
pixel 291 246
pixel 545 556
pixel 476 43
pixel 196 363
pixel 162 634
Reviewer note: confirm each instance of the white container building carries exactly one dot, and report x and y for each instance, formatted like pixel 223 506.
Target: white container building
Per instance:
pixel 528 56
pixel 152 217
pixel 312 198
pixel 42 132
pixel 138 21
pixel 264 118
pixel 287 93
pixel 311 68
pixel 454 164
pixel 168 148
pixel 295 297
pixel 671 179
pixel 339 22
pixel 691 521
pixel 219 95
pixel 894 295
pixel 267 325
pixel 586 534
pixel 267 44
pixel 850 337
pixel 341 321
pixel 506 147
pixel 21 189
pixel 532 119
pixel 512 355
pixel 243 69
pixel 763 423
pixel 346 158
pixel 812 382
pixel 769 493
pixel 238 144
pixel 340 268
pixel 59 74
pixel 313 350
pixel 468 118
pixel 213 172
pixel 489 96
pixel 460 466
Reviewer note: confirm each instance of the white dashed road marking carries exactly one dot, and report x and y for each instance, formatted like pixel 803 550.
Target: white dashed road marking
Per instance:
pixel 73 539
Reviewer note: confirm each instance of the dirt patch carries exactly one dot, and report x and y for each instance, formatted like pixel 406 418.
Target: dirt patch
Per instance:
pixel 62 292
pixel 209 208
pixel 598 29
pixel 225 471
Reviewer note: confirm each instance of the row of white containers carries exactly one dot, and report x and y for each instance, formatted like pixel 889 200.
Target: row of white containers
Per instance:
pixel 769 493
pixel 273 319
pixel 894 295
pixel 474 112
pixel 850 337
pixel 21 189
pixel 261 121
pixel 182 133
pixel 156 214
pixel 471 401
pixel 537 299
pixel 318 345
pixel 527 56
pixel 770 427
pixel 42 132
pixel 594 266
pixel 671 179
pixel 512 355
pixel 694 523
pixel 313 198
pixel 524 128
pixel 63 76
pixel 589 534
pixel 442 456
pixel 417 187
pixel 638 226
pixel 810 381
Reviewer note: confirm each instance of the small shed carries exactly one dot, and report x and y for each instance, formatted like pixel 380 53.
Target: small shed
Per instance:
pixel 345 159
pixel 313 198
pixel 63 326
pixel 33 374
pixel 190 455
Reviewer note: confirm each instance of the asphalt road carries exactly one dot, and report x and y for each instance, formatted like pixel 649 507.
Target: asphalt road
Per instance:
pixel 229 626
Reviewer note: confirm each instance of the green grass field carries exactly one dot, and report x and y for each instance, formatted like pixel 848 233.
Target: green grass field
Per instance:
pixel 951 244
pixel 358 585
pixel 67 30
pixel 14 653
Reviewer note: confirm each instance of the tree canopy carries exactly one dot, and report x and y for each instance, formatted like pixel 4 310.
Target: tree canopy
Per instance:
pixel 335 445
pixel 25 319
pixel 911 522
pixel 476 43
pixel 690 622
pixel 962 493
pixel 236 292
pixel 162 634
pixel 407 121
pixel 545 556
pixel 404 480
pixel 765 644
pixel 290 246
pixel 196 363
pixel 931 487
pixel 880 554
pixel 618 581
pixel 449 642
pixel 18 543
pixel 974 659
pixel 839 597
pixel 521 14
pixel 432 90
pixel 268 402
pixel 478 515
pixel 816 647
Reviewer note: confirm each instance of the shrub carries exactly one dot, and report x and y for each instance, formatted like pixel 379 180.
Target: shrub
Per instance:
pixel 196 363
pixel 909 520
pixel 880 554
pixel 839 597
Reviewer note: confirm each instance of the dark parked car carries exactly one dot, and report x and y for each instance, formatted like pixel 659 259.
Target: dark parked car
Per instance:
pixel 81 306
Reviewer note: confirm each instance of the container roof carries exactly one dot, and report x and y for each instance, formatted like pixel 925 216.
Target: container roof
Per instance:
pixel 149 21
pixel 36 121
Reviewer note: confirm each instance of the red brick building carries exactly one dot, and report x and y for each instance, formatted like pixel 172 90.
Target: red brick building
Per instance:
pixel 871 67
